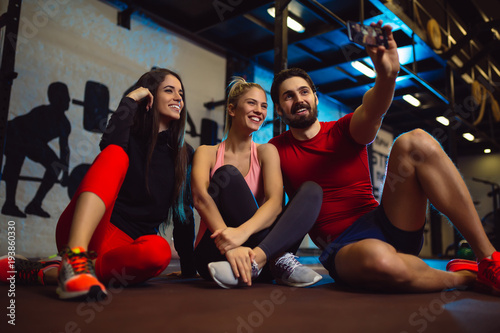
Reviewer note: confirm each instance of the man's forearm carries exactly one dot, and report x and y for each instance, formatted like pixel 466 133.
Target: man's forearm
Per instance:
pixel 378 99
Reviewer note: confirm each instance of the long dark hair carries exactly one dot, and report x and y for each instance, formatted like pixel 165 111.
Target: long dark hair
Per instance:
pixel 146 126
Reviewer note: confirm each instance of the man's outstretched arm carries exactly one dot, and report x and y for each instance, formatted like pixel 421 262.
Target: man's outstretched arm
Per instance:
pixel 367 118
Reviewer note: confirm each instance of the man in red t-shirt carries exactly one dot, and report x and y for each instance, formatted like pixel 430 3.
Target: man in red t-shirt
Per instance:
pixel 365 244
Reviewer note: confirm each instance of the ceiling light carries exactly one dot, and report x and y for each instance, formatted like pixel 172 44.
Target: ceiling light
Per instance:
pixel 443 120
pixel 411 100
pixel 487 151
pixel 468 136
pixel 466 77
pixel 290 22
pixel 364 69
pixel 495 33
pixel 457 61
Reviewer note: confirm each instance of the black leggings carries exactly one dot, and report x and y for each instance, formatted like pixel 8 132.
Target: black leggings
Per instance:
pixel 237 204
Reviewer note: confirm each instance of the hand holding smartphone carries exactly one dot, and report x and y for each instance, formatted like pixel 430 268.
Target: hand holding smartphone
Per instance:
pixel 366 35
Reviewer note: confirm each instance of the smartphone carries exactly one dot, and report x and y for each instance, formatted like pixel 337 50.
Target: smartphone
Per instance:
pixel 366 35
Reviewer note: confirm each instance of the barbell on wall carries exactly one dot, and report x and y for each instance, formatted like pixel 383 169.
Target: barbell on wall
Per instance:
pixel 75 177
pixel 95 107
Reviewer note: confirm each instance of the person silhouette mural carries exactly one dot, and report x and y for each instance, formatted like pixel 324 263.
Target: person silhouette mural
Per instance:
pixel 28 135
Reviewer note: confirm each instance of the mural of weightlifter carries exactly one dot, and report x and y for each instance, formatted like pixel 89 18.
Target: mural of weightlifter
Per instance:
pixel 28 136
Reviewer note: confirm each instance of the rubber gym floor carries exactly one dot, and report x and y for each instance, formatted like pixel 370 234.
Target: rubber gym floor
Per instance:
pixel 166 304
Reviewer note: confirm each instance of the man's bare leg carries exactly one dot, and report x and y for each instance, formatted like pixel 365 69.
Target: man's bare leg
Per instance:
pixel 375 265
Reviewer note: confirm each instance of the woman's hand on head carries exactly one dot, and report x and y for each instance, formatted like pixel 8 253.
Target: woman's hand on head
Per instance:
pixel 139 94
pixel 240 259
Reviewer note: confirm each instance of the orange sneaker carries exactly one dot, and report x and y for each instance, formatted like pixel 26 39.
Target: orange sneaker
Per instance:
pixel 488 276
pixel 77 276
pixel 456 265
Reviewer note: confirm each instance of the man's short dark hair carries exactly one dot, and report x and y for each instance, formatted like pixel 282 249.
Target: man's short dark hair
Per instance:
pixel 284 75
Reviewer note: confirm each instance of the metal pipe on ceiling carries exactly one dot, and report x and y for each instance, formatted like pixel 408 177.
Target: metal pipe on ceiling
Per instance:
pixel 280 51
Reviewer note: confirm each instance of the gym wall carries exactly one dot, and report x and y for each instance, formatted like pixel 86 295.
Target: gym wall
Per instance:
pixel 487 168
pixel 76 41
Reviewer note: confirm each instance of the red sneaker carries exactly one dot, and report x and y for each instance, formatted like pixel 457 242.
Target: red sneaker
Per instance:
pixel 456 265
pixel 488 276
pixel 77 276
pixel 25 271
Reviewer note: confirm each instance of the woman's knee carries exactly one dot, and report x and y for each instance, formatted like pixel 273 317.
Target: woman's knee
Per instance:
pixel 311 194
pixel 312 188
pixel 311 191
pixel 116 154
pixel 223 179
pixel 154 252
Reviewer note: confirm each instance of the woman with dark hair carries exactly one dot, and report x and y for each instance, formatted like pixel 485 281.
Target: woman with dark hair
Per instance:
pixel 136 183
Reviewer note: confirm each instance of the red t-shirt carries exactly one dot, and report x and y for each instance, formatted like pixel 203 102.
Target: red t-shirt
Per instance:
pixel 339 165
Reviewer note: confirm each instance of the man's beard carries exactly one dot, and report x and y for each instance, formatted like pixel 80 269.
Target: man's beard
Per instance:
pixel 302 121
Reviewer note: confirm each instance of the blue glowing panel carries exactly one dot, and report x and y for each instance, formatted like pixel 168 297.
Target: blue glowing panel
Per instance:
pixel 297 55
pixel 328 75
pixel 351 93
pixel 436 263
pixel 336 37
pixel 320 44
pixel 421 53
pixel 434 75
pixel 404 82
pixel 353 71
pixel 387 19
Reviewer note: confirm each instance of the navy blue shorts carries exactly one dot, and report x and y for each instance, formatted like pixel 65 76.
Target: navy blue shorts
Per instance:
pixel 374 225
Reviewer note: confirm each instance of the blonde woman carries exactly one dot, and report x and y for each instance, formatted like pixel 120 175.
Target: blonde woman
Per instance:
pixel 237 189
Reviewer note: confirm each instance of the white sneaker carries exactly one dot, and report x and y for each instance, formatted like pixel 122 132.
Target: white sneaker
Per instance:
pixel 288 270
pixel 223 275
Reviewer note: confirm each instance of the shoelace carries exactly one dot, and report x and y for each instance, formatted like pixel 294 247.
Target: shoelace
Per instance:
pixel 81 262
pixel 27 271
pixel 491 272
pixel 255 269
pixel 288 262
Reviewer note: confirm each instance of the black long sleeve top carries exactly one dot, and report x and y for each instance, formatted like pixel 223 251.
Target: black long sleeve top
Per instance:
pixel 137 211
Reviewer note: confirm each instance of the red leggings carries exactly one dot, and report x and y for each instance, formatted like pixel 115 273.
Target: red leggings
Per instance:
pixel 119 258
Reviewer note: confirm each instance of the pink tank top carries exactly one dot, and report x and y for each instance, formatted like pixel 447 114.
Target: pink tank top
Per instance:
pixel 253 179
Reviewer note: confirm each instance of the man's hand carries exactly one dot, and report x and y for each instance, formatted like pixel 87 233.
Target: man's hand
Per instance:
pixel 229 238
pixel 367 118
pixel 386 61
pixel 240 260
